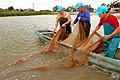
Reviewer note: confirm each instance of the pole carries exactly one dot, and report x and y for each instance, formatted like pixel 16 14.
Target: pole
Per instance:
pixel 33 5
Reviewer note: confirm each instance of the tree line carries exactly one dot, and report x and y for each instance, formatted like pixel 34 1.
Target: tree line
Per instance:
pixel 72 8
pixel 114 4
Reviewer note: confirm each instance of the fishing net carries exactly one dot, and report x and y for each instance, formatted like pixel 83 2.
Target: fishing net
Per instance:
pixel 75 37
pixel 80 55
pixel 76 47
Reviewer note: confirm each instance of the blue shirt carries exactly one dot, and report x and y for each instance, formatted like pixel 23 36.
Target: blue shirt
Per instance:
pixel 86 15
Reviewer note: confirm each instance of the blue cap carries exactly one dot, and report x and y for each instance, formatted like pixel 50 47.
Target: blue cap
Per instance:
pixel 59 8
pixel 79 5
pixel 101 9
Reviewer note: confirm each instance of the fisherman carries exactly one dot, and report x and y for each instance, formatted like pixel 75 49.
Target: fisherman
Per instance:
pixel 65 21
pixel 111 31
pixel 84 17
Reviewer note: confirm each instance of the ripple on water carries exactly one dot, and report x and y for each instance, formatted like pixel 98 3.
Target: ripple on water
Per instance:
pixel 18 40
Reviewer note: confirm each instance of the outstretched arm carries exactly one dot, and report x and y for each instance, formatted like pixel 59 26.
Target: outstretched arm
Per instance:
pixel 97 27
pixel 57 18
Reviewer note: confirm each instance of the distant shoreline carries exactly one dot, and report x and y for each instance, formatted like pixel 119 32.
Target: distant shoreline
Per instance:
pixel 30 13
pixel 25 13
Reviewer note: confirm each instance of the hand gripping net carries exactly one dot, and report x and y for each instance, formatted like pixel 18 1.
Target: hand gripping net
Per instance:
pixel 78 53
pixel 76 46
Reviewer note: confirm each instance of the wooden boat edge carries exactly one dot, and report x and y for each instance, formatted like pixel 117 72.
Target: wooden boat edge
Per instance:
pixel 112 64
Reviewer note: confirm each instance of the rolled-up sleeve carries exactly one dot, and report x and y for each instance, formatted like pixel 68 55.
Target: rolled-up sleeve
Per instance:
pixel 101 22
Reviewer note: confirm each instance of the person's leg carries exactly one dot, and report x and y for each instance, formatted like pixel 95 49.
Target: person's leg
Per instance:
pixel 63 37
pixel 68 30
pixel 104 49
pixel 105 46
pixel 113 45
pixel 60 35
pixel 87 26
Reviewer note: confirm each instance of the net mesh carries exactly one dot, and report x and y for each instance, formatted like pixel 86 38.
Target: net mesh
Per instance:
pixel 76 47
pixel 76 36
pixel 78 54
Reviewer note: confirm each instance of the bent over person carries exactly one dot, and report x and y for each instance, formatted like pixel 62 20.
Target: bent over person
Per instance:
pixel 84 17
pixel 65 21
pixel 111 31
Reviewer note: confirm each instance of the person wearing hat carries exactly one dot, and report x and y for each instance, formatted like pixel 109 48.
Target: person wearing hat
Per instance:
pixel 64 19
pixel 84 17
pixel 111 31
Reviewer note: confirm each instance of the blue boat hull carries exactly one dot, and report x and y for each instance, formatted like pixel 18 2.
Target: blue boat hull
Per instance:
pixel 112 65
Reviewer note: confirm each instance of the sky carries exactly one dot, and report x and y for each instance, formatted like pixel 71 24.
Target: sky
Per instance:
pixel 48 4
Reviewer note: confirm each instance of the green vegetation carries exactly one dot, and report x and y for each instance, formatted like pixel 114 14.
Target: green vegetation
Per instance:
pixel 25 13
pixel 10 11
pixel 72 8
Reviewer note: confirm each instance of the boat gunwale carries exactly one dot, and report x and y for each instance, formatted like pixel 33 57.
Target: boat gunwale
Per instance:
pixel 115 63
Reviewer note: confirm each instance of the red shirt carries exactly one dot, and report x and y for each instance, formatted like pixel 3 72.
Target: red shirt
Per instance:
pixel 111 19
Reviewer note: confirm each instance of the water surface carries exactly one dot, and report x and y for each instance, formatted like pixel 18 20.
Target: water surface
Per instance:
pixel 17 40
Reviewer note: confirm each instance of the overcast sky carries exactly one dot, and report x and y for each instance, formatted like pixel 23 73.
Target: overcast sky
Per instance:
pixel 48 4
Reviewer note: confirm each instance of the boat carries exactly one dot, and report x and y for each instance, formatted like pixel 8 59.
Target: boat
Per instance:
pixel 109 64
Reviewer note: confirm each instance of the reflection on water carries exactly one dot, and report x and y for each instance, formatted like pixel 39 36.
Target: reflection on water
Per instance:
pixel 17 40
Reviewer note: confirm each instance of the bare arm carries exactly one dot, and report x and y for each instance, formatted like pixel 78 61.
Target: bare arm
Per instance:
pixel 97 27
pixel 68 17
pixel 117 30
pixel 57 18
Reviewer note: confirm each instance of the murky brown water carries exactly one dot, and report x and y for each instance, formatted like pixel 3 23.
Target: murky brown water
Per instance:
pixel 17 40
